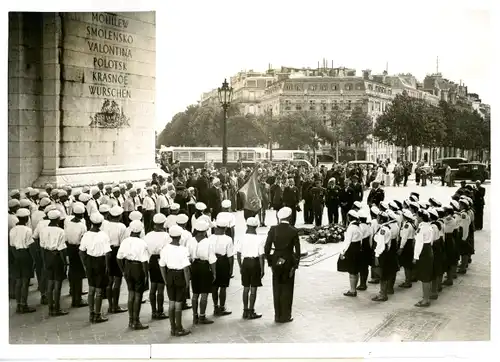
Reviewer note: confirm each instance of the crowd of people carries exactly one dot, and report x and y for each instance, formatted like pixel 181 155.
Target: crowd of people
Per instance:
pixel 428 239
pixel 177 233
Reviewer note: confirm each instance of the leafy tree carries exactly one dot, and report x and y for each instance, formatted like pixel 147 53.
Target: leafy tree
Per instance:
pixel 357 128
pixel 336 119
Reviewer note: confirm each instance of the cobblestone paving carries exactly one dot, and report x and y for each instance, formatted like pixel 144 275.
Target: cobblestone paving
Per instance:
pixel 321 313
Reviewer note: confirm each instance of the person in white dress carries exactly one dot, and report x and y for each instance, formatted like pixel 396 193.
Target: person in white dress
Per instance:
pixel 351 251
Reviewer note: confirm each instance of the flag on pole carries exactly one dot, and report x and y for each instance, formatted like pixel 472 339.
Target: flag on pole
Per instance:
pixel 250 194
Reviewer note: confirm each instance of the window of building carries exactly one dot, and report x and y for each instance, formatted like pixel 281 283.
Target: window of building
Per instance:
pixel 324 87
pixel 298 108
pixel 298 87
pixel 289 87
pixel 359 86
pixel 348 86
pixel 335 87
pixel 268 83
pixel 196 156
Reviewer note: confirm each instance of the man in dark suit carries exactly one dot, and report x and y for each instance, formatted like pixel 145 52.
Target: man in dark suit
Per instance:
pixel 284 238
pixel 479 194
pixel 215 198
pixel 376 195
pixel 346 196
pixel 307 196
pixel 291 199
pixel 202 186
pixel 357 187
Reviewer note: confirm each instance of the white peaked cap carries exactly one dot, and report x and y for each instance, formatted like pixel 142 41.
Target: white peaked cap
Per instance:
pixel 96 218
pixel 84 197
pixel 353 213
pixel 85 189
pixel 78 208
pixel 49 208
pixel 175 206
pixel 363 214
pixel 175 230
pixel 375 210
pixel 25 203
pixel 358 204
pixel 116 211
pixel 53 214
pixel 200 206
pixel 22 213
pixel 222 221
pixel 159 219
pixel 408 214
pixel 136 226
pixel 284 212
pixel 226 204
pixel 94 190
pixel 181 219
pixel 104 208
pixel 201 225
pixel 392 214
pixel 14 203
pixel 135 215
pixel 252 221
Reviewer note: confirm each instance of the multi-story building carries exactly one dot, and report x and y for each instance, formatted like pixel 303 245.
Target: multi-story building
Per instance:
pixel 210 99
pixel 248 89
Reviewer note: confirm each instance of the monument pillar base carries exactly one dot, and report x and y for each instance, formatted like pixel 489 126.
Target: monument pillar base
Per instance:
pixel 87 176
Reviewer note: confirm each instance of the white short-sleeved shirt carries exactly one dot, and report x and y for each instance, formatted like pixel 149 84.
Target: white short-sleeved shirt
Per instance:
pixel 222 244
pixel 148 204
pixel 171 221
pixel 366 230
pixel 250 245
pixel 52 238
pixel 394 229
pixel 129 204
pixel 205 218
pixel 116 232
pixel 133 249
pixel 449 224
pixel 185 236
pixel 95 244
pixel 161 202
pixel 13 220
pixel 42 224
pixel 156 241
pixel 21 237
pixel 174 257
pixel 36 217
pixel 382 238
pixel 205 251
pixel 91 207
pixel 352 234
pixel 74 232
pixel 230 217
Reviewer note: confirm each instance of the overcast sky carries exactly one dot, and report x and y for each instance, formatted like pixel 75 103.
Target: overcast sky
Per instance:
pixel 199 43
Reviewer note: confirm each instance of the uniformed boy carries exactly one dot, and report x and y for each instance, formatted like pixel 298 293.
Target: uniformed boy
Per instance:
pixel 116 233
pixel 250 255
pixel 382 241
pixel 135 215
pixel 223 247
pixel 148 210
pixel 156 240
pixel 182 221
pixel 406 248
pixel 171 219
pixel 53 245
pixel 174 266
pixel 74 230
pixel 133 260
pixel 227 214
pixel 465 247
pixel 95 251
pixel 203 271
pixel 22 246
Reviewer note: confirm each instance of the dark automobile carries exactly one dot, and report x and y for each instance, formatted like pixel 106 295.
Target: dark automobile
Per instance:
pixel 472 171
pixel 441 163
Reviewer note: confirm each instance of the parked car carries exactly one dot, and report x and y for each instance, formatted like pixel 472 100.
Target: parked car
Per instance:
pixel 363 162
pixel 472 171
pixel 441 163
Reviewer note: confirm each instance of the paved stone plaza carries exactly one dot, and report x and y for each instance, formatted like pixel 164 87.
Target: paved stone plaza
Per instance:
pixel 321 313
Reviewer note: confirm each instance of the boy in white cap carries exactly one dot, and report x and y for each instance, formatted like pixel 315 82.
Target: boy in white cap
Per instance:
pixel 135 215
pixel 186 236
pixel 156 241
pixel 162 204
pixel 148 210
pixel 74 230
pixel 250 255
pixel 174 266
pixel 22 247
pixel 116 233
pixel 227 214
pixel 203 271
pixel 115 198
pixel 129 205
pixel 223 248
pixel 133 260
pixel 200 214
pixel 284 261
pixel 171 219
pixel 53 245
pixel 95 251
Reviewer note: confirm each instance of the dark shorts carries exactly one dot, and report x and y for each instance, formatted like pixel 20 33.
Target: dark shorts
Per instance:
pixel 250 273
pixel 75 269
pixel 96 271
pixel 53 265
pixel 114 269
pixel 176 285
pixel 222 271
pixel 23 264
pixel 134 274
pixel 201 277
pixel 154 270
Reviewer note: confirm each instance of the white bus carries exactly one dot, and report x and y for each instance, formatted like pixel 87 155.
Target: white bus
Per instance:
pixel 294 157
pixel 199 156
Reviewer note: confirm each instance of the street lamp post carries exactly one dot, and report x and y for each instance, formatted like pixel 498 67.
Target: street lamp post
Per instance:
pixel 270 135
pixel 225 97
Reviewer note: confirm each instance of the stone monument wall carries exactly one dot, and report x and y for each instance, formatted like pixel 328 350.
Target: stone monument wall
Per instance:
pixel 94 97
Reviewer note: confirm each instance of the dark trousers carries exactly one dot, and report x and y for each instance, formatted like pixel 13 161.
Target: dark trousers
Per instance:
pixel 293 218
pixel 308 212
pixel 318 215
pixel 405 180
pixel 148 220
pixel 249 213
pixel 283 287
pixel 262 215
pixel 39 271
pixel 344 211
pixel 478 219
pixel 333 214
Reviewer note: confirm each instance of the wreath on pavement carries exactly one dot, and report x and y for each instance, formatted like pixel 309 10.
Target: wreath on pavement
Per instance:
pixel 333 233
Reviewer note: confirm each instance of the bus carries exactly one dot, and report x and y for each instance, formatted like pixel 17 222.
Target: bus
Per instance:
pixel 198 157
pixel 289 155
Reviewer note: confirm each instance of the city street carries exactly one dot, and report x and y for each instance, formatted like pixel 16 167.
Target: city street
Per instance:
pixel 321 312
